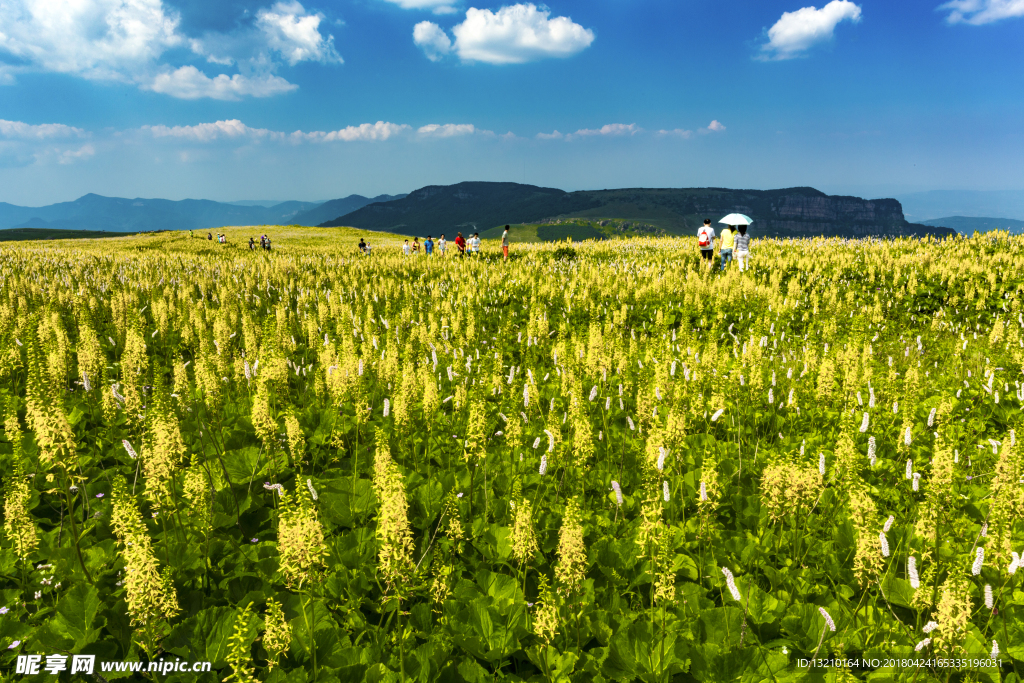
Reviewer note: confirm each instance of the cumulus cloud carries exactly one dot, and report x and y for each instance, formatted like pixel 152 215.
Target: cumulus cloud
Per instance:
pixel 70 156
pixel 126 40
pixel 432 39
pixel 208 132
pixel 610 129
pixel 368 132
pixel 437 6
pixel 677 133
pixel 95 39
pixel 17 130
pixel 449 130
pixel 233 129
pixel 513 35
pixel 796 32
pixel 980 12
pixel 713 127
pixel 189 83
pixel 295 34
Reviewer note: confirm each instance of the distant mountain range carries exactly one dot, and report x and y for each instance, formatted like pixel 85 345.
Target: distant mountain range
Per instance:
pixel 481 206
pixel 924 207
pixel 968 225
pixel 478 206
pixel 113 214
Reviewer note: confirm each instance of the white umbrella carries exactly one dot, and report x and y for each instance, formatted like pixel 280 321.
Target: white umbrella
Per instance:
pixel 736 219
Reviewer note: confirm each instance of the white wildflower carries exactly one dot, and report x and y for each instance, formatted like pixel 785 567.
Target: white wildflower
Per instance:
pixel 979 560
pixel 618 492
pixel 730 583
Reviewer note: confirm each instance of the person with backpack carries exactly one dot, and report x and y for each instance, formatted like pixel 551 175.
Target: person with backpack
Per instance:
pixel 728 242
pixel 742 249
pixel 706 241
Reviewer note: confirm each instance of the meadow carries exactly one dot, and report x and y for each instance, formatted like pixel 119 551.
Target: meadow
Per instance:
pixel 596 462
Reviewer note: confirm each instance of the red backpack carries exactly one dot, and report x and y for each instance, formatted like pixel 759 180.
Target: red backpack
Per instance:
pixel 704 238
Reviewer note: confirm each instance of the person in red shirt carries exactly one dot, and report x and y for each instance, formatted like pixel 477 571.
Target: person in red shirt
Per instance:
pixel 460 242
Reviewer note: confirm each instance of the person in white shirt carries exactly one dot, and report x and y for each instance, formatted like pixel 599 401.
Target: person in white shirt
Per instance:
pixel 474 243
pixel 441 245
pixel 706 241
pixel 405 248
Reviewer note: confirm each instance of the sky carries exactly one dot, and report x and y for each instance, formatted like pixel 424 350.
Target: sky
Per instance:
pixel 312 100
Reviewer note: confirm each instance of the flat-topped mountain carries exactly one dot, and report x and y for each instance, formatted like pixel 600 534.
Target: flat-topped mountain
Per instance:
pixel 479 206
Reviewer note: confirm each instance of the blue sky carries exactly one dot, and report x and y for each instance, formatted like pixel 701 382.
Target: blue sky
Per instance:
pixel 282 100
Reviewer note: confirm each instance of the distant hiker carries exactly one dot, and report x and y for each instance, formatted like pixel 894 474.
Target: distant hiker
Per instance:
pixel 728 242
pixel 504 243
pixel 368 247
pixel 442 244
pixel 706 241
pixel 362 245
pixel 428 245
pixel 742 249
pixel 190 234
pixel 269 245
pixel 252 244
pixel 405 248
pixel 474 243
pixel 209 236
pixel 415 245
pixel 461 244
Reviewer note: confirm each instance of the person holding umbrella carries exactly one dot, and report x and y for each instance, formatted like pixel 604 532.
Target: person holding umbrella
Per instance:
pixel 729 236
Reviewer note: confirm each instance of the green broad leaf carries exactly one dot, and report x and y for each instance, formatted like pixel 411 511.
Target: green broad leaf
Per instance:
pixel 898 591
pixel 760 606
pixel 244 464
pixel 472 672
pixel 77 615
pixel 204 636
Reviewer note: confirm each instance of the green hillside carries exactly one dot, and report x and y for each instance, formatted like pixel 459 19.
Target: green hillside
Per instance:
pixel 481 207
pixel 24 234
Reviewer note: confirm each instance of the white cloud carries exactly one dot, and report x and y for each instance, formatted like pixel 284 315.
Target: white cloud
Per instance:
pixel 677 133
pixel 233 129
pixel 70 156
pixel 979 12
pixel 125 41
pixel 293 33
pixel 438 6
pixel 432 39
pixel 95 39
pixel 189 83
pixel 449 130
pixel 713 127
pixel 369 132
pixel 550 136
pixel 24 131
pixel 796 32
pixel 513 35
pixel 208 132
pixel 609 129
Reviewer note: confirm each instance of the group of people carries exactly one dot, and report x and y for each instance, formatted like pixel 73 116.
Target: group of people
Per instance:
pixel 462 245
pixel 264 243
pixel 734 243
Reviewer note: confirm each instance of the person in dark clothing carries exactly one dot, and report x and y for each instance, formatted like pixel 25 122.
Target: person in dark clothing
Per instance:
pixel 209 236
pixel 252 244
pixel 362 245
